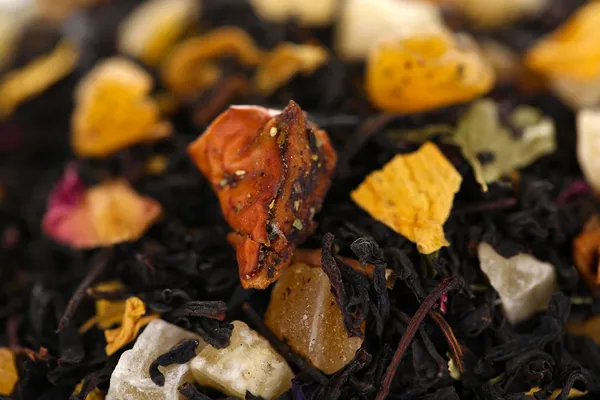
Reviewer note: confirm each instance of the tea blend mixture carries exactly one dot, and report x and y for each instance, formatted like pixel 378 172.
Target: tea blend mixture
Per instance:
pixel 317 199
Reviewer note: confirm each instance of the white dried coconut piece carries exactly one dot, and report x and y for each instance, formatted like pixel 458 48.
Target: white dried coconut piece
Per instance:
pixel 363 23
pixel 249 363
pixel 588 146
pixel 154 26
pixel 497 13
pixel 307 12
pixel 577 94
pixel 131 378
pixel 523 283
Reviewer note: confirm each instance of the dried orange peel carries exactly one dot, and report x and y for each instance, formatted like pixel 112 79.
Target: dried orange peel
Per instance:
pixel 423 72
pixel 8 371
pixel 133 320
pixel 191 67
pixel 23 84
pixel 114 111
pixel 284 62
pixel 586 248
pixel 413 195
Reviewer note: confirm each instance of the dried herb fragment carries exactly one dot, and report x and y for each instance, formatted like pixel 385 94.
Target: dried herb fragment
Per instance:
pixel 19 86
pixel 284 62
pixel 180 354
pixel 260 177
pixel 133 320
pixel 420 72
pixel 8 371
pixel 114 111
pixel 586 247
pixel 108 312
pixel 103 215
pixel 413 195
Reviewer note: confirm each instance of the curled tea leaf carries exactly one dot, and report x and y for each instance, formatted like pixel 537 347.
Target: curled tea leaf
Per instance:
pixel 270 170
pixel 420 72
pixel 492 149
pixel 413 195
pixel 191 67
pixel 154 26
pixel 9 375
pixel 102 215
pixel 21 85
pixel 133 320
pixel 285 61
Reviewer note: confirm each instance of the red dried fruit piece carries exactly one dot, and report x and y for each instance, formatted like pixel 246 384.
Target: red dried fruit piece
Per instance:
pixel 271 171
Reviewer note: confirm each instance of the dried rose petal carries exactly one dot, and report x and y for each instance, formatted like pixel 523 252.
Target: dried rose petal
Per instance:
pixel 270 171
pixel 103 215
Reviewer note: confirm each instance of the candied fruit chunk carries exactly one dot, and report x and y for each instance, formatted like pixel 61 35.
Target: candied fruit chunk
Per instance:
pixel 131 378
pixel 588 146
pixel 421 72
pixel 524 284
pixel 304 313
pixel 9 375
pixel 249 363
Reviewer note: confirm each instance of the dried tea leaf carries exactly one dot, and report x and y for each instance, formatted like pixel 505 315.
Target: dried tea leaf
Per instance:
pixel 95 394
pixel 363 23
pixel 21 85
pixel 419 72
pixel 588 146
pixel 8 371
pixel 108 312
pixel 586 248
pixel 154 26
pixel 307 12
pixel 413 195
pixel 133 320
pixel 284 62
pixel 114 111
pixel 270 171
pixel 103 215
pixel 492 149
pixel 191 66
pixel 573 393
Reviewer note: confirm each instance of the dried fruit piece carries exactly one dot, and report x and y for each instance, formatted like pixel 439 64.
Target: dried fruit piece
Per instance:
pixel 154 26
pixel 108 312
pixel 307 12
pixel 413 195
pixel 420 71
pixel 133 320
pixel 131 378
pixel 191 67
pixel 490 14
pixel 303 312
pixel 588 146
pixel 95 394
pixel 285 61
pixel 586 249
pixel 492 149
pixel 113 110
pixel 19 86
pixel 364 23
pixel 103 215
pixel 249 363
pixel 59 10
pixel 523 283
pixel 271 171
pixel 14 17
pixel 8 371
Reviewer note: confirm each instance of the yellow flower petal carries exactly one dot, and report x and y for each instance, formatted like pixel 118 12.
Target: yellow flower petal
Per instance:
pixel 133 320
pixel 285 61
pixel 113 110
pixel 419 73
pixel 413 195
pixel 8 371
pixel 108 312
pixel 95 394
pixel 573 50
pixel 190 67
pixel 573 394
pixel 23 84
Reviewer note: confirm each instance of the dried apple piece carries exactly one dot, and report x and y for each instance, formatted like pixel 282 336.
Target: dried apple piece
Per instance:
pixel 133 320
pixel 114 111
pixel 8 371
pixel 191 67
pixel 21 85
pixel 586 249
pixel 154 26
pixel 413 195
pixel 103 215
pixel 271 171
pixel 421 71
pixel 284 62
